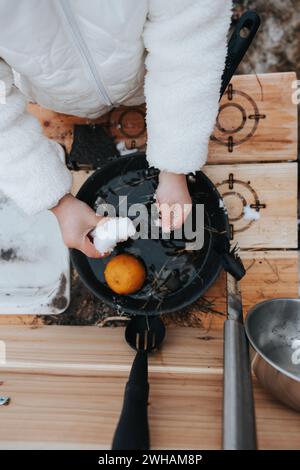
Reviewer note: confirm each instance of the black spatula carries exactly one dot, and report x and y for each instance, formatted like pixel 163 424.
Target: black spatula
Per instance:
pixel 144 335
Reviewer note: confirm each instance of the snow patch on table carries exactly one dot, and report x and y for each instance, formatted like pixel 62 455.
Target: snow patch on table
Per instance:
pixel 250 213
pixel 34 262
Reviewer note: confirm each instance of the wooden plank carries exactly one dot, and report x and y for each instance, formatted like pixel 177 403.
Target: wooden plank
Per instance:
pixel 31 321
pixel 82 412
pixel 257 122
pixel 56 412
pixel 270 274
pixel 271 188
pixel 77 349
pixel 66 386
pixel 79 178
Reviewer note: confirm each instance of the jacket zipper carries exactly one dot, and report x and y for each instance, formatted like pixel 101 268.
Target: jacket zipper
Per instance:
pixel 83 50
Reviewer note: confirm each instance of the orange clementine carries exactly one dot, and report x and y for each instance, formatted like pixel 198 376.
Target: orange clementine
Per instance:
pixel 125 274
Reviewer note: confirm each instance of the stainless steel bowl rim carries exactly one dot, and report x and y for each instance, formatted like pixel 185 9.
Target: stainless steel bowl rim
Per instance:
pixel 252 312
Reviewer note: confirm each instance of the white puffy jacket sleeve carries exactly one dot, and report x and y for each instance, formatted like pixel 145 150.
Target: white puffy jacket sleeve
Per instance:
pixel 32 172
pixel 186 42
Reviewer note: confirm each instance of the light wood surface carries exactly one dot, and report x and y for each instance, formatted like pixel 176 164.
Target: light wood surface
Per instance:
pixel 272 185
pixel 66 386
pixel 269 274
pixel 79 177
pixel 258 114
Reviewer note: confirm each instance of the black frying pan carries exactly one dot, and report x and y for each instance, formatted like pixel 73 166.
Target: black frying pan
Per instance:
pixel 175 277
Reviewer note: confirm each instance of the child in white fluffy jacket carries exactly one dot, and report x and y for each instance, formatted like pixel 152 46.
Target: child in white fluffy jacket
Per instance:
pixel 83 57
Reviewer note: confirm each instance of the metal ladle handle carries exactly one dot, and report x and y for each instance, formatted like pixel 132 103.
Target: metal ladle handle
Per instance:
pixel 239 429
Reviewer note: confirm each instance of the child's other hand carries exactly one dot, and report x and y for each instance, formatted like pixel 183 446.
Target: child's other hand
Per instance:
pixel 172 196
pixel 76 220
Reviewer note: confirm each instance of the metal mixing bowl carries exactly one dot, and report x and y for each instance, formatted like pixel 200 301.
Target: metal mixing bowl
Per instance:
pixel 272 327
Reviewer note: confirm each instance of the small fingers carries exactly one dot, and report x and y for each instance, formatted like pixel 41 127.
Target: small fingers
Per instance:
pixel 94 219
pixel 88 248
pixel 172 217
pixel 165 214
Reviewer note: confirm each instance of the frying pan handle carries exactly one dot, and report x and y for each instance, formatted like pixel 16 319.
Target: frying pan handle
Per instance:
pixel 239 431
pixel 238 45
pixel 132 432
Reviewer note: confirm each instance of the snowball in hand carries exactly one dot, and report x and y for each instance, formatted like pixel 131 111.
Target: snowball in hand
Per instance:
pixel 111 231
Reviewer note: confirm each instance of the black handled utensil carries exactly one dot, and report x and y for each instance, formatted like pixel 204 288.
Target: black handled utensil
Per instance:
pixel 132 433
pixel 239 42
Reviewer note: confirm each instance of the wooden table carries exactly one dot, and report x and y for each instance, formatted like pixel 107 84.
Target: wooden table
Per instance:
pixel 66 383
pixel 66 386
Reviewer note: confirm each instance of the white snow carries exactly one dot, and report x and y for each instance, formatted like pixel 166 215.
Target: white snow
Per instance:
pixel 250 213
pixel 121 146
pixel 296 354
pixel 111 231
pixel 296 344
pixel 192 178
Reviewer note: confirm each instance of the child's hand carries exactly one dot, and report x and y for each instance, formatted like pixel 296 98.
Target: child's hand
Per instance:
pixel 172 195
pixel 76 220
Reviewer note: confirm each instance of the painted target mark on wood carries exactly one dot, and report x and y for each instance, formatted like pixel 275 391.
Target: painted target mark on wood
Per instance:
pixel 237 120
pixel 238 194
pixel 129 124
pixel 132 123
